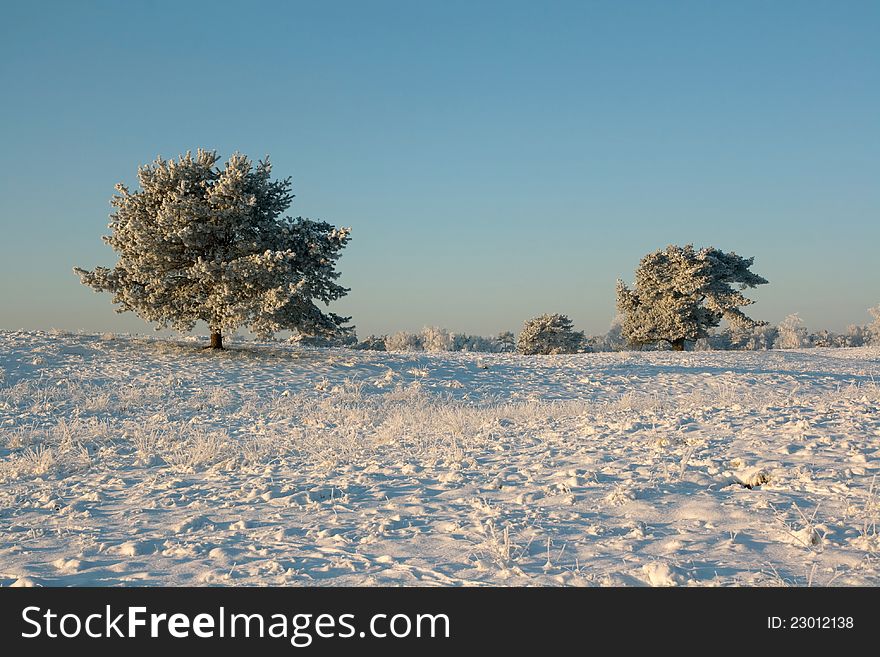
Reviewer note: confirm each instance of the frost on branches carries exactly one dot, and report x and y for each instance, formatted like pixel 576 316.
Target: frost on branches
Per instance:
pixel 197 242
pixel 791 333
pixel 550 334
pixel 680 293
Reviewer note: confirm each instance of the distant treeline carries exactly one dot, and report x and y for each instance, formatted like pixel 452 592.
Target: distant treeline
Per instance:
pixel 560 337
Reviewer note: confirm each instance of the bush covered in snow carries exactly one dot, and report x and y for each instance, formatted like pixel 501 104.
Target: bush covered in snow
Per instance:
pixel 340 339
pixel 506 341
pixel 435 339
pixel 477 343
pixel 756 338
pixel 789 334
pixel 792 334
pixel 856 336
pixel 681 293
pixel 403 341
pixel 372 343
pixel 550 334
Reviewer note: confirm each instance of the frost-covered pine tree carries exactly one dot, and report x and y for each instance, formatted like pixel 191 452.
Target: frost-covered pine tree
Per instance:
pixel 874 327
pixel 681 293
pixel 549 334
pixel 197 242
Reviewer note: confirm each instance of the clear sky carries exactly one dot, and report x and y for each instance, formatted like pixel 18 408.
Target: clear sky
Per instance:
pixel 495 160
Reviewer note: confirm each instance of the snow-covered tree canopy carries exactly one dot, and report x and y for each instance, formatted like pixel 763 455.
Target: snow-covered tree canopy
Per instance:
pixel 680 293
pixel 549 334
pixel 197 242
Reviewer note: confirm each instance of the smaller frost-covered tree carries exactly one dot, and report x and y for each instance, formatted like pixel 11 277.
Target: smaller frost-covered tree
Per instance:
pixel 874 327
pixel 549 334
pixel 791 333
pixel 506 341
pixel 201 243
pixel 680 293
pixel 436 339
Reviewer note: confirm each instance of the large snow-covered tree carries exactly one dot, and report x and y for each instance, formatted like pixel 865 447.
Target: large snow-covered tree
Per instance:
pixel 680 293
pixel 197 242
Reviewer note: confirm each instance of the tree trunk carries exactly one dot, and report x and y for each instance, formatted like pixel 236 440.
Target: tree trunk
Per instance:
pixel 216 339
pixel 678 344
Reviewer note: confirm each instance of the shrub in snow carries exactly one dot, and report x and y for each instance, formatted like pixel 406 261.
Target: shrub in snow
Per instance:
pixel 463 342
pixel 477 343
pixel 611 341
pixel 823 338
pixel 437 339
pixel 792 334
pixel 197 242
pixel 874 329
pixel 341 339
pixel 434 338
pixel 372 343
pixel 857 336
pixel 403 341
pixel 756 338
pixel 681 293
pixel 550 334
pixel 854 337
pixel 761 338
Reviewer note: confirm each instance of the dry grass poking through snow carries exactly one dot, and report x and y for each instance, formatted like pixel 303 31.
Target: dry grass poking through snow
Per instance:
pixel 141 461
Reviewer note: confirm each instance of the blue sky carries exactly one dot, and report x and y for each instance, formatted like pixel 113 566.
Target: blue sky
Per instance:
pixel 495 160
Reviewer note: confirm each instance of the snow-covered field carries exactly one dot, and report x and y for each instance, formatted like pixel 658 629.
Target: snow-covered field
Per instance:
pixel 137 461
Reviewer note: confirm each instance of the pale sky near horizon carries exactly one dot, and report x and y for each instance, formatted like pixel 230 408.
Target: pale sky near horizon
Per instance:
pixel 495 160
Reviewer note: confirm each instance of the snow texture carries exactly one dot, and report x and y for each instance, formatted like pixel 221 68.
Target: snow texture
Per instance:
pixel 142 461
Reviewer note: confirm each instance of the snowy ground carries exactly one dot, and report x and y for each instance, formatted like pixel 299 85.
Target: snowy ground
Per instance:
pixel 134 461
